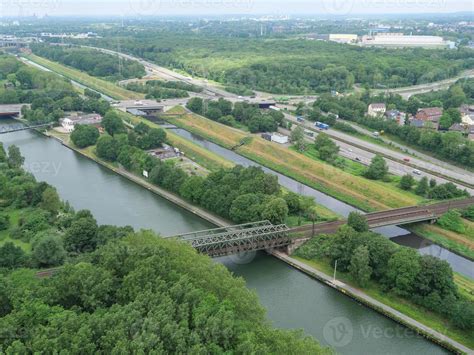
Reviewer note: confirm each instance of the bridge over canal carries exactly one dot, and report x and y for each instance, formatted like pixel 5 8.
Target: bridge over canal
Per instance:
pixel 22 127
pixel 264 235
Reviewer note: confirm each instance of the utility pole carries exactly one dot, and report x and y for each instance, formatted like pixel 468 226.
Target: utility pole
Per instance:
pixel 335 268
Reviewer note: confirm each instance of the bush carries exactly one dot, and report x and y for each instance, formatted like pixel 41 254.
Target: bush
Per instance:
pixel 84 136
pixel 452 221
pixel 4 221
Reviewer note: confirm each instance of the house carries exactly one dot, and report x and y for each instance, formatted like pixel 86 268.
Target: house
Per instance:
pixel 376 109
pixel 68 123
pixel 415 122
pixel 467 114
pixel 397 116
pixel 432 114
pixel 279 138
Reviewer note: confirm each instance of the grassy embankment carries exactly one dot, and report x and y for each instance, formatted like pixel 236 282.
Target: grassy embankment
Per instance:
pixel 462 244
pixel 375 291
pixel 103 86
pixel 14 215
pixel 355 190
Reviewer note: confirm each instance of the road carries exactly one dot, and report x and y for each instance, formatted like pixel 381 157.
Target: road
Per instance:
pixel 408 91
pixel 352 148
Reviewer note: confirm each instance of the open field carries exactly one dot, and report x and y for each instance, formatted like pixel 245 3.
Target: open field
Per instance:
pixel 107 88
pixel 402 305
pixel 352 189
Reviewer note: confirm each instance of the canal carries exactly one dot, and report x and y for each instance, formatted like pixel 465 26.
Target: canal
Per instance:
pixel 293 300
pixel 396 234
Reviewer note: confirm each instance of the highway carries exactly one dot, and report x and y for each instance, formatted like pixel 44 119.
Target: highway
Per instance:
pixel 351 147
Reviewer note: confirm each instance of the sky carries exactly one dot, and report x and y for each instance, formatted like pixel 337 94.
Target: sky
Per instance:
pixel 221 7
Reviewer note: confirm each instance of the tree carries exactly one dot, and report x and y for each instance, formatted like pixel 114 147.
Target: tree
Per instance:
pixel 328 150
pixel 422 188
pixel 15 159
pixel 195 104
pixel 402 270
pixel 112 123
pixel 359 267
pixel 107 148
pixel 245 208
pixel 50 201
pixel 12 256
pixel 445 121
pixel 377 169
pixel 297 138
pixel 406 182
pixel 276 211
pixel 3 154
pixel 84 135
pixel 358 222
pixel 452 221
pixel 48 251
pixel 81 236
pixel 4 221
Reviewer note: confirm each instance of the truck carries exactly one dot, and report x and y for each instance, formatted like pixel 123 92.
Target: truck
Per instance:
pixel 321 125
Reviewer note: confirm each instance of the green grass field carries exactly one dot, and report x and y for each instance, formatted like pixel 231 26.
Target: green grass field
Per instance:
pixel 107 88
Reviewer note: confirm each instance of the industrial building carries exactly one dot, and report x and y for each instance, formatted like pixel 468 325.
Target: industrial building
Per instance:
pixel 400 40
pixel 343 38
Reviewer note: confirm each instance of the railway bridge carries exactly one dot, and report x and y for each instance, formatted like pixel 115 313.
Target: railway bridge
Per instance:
pixel 21 127
pixel 263 235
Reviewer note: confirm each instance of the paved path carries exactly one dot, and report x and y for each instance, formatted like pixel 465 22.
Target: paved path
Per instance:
pixel 373 303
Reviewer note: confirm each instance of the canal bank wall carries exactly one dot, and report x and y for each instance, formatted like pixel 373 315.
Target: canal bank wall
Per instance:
pixel 361 297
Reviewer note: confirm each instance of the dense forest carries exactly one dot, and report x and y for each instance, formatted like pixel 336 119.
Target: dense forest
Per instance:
pixel 398 270
pixel 50 95
pixel 115 291
pixel 294 66
pixel 91 61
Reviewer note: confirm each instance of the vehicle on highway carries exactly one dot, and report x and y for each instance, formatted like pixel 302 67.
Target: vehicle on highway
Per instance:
pixel 309 133
pixel 416 172
pixel 299 119
pixel 357 158
pixel 321 125
pixel 406 159
pixel 376 134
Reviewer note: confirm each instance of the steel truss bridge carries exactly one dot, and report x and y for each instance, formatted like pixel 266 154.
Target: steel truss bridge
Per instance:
pixel 264 235
pixel 237 239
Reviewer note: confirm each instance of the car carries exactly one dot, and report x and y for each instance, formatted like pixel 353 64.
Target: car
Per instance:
pixel 357 158
pixel 416 172
pixel 406 159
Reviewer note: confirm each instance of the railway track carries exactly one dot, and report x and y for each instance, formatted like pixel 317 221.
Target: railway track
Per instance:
pixel 405 215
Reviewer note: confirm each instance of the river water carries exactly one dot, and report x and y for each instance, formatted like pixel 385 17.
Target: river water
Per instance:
pixel 293 300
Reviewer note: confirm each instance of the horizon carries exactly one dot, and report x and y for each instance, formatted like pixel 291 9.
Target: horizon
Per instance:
pixel 196 8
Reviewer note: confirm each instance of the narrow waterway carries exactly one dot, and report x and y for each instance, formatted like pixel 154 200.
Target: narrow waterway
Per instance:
pixel 293 300
pixel 398 235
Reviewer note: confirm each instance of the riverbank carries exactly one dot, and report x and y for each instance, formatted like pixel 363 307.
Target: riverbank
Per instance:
pixel 359 296
pixel 210 217
pixel 353 190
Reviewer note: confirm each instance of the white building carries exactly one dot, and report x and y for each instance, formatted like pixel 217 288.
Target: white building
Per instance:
pixel 400 40
pixel 68 123
pixel 343 38
pixel 279 138
pixel 376 109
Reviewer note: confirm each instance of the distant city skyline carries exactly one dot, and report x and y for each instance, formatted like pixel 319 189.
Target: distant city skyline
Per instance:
pixel 223 7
